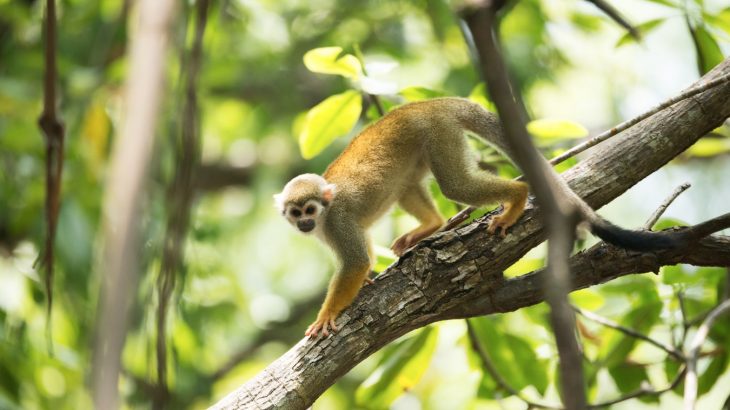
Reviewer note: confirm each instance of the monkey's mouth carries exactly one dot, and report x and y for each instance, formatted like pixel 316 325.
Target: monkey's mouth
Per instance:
pixel 305 225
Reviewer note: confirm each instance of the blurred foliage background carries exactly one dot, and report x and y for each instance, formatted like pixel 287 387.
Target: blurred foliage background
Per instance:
pixel 249 284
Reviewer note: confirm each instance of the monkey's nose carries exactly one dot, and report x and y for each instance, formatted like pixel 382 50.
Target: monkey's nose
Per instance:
pixel 305 225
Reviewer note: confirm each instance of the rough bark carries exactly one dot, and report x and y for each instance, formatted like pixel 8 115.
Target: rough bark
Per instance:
pixel 458 274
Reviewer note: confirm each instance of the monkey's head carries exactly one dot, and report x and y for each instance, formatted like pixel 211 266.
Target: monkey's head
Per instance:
pixel 303 201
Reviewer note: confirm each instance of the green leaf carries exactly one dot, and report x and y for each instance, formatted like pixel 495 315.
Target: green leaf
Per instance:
pixel 643 29
pixel 328 120
pixel 709 377
pixel 479 95
pixel 420 93
pixel 618 346
pixel 709 147
pixel 667 3
pixel 666 223
pixel 628 377
pixel 708 51
pixel 329 60
pixel 399 372
pixel 587 299
pixel 551 128
pixel 523 266
pixel 720 20
pixel 512 356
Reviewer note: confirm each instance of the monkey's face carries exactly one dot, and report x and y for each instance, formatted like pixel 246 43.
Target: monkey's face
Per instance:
pixel 304 200
pixel 305 217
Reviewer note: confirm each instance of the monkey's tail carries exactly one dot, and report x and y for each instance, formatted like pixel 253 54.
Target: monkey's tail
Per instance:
pixel 651 241
pixel 637 240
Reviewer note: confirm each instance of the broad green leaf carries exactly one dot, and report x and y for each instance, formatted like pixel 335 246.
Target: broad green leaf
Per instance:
pixel 666 223
pixel 400 371
pixel 708 378
pixel 708 51
pixel 420 93
pixel 330 60
pixel 332 118
pixel 512 356
pixel 587 299
pixel 479 95
pixel 643 29
pixel 551 128
pixel 618 345
pixel 628 377
pixel 709 147
pixel 720 20
pixel 667 3
pixel 523 266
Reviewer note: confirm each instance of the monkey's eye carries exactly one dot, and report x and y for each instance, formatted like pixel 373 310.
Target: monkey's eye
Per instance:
pixel 309 210
pixel 295 213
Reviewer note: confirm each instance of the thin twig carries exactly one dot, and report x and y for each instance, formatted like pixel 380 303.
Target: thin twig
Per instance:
pixel 492 370
pixel 633 333
pixel 181 196
pixel 626 124
pixel 616 16
pixel 642 391
pixel 663 207
pixel 53 130
pixel 690 382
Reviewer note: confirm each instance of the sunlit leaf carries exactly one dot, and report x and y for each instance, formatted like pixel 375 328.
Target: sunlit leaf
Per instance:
pixel 708 51
pixel 523 266
pixel 479 95
pixel 667 3
pixel 618 346
pixel 552 128
pixel 330 60
pixel 332 118
pixel 643 29
pixel 709 147
pixel 720 20
pixel 665 223
pixel 420 93
pixel 587 299
pixel 708 378
pixel 628 377
pixel 400 371
pixel 512 356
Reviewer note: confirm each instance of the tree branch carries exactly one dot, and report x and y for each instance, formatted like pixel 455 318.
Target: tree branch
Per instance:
pixel 458 274
pixel 561 216
pixel 690 382
pixel 130 161
pixel 663 207
pixel 53 130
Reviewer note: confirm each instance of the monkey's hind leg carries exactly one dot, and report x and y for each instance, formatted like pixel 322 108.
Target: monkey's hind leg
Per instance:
pixel 417 202
pixel 461 181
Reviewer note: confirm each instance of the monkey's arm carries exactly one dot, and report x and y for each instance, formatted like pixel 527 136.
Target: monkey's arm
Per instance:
pixel 351 246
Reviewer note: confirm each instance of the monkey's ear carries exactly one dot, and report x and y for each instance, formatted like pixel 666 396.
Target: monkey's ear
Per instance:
pixel 279 201
pixel 328 193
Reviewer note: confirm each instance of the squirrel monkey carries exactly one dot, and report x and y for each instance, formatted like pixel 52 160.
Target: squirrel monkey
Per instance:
pixel 386 163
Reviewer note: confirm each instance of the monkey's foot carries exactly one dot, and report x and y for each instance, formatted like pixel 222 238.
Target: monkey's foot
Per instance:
pixel 324 320
pixel 368 281
pixel 501 222
pixel 401 244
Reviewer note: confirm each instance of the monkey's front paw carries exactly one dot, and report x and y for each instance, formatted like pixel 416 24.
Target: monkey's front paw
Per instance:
pixel 324 320
pixel 402 244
